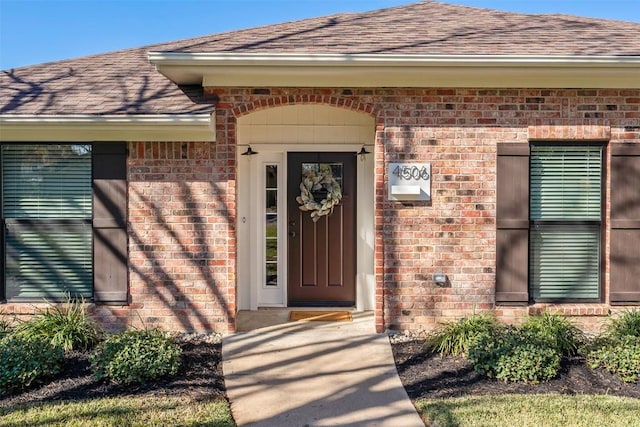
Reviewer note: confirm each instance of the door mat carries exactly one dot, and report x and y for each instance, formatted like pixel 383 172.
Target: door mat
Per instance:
pixel 320 316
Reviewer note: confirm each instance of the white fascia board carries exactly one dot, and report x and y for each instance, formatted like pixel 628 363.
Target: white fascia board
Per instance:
pixel 364 70
pixel 76 128
pixel 182 58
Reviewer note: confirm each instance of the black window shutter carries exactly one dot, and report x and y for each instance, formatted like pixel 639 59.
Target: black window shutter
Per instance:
pixel 109 222
pixel 625 223
pixel 512 224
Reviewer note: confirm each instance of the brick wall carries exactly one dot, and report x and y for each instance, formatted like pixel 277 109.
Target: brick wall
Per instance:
pixel 181 238
pixel 458 132
pixel 182 201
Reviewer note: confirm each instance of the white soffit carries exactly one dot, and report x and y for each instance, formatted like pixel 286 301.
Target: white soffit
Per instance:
pixel 74 128
pixel 379 70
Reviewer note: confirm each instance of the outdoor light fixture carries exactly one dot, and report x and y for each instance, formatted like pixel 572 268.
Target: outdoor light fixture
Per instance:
pixel 249 152
pixel 440 278
pixel 363 152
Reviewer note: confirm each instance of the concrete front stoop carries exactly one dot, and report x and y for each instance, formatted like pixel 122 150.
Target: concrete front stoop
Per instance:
pixel 315 374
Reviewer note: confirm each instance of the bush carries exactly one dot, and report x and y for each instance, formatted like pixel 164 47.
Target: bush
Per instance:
pixel 627 324
pixel 554 331
pixel 486 350
pixel 528 362
pixel 514 355
pixel 66 326
pixel 617 349
pixel 5 326
pixel 620 357
pixel 453 338
pixel 25 361
pixel 136 357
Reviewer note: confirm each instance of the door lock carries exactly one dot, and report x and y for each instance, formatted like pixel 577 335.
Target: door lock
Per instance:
pixel 292 234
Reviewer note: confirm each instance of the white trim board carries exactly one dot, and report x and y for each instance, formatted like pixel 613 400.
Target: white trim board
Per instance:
pixel 82 128
pixel 388 70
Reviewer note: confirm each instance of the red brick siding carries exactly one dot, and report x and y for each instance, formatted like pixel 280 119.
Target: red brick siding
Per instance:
pixel 182 201
pixel 458 132
pixel 181 237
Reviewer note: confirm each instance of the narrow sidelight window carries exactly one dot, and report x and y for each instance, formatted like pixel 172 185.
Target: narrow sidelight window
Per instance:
pixel 271 226
pixel 565 208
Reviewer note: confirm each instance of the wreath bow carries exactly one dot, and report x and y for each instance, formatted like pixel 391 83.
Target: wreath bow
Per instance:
pixel 312 182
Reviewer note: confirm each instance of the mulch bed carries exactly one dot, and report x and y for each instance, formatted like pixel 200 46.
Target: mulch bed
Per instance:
pixel 424 375
pixel 199 377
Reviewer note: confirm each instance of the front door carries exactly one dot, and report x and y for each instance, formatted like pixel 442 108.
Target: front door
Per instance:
pixel 321 242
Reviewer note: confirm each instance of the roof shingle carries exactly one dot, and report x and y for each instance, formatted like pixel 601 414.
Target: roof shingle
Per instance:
pixel 431 28
pixel 124 82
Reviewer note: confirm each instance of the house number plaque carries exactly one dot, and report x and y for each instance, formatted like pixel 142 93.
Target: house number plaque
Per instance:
pixel 409 181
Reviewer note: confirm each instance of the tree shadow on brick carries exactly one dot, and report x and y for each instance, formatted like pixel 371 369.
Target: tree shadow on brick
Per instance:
pixel 181 223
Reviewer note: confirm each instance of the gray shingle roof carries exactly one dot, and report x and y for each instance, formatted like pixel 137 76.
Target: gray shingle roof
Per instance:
pixel 432 28
pixel 124 82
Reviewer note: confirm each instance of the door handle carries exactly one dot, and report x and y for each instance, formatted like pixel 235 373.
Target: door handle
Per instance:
pixel 292 234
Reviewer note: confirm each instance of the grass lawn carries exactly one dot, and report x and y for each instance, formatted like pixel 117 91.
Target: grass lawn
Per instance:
pixel 503 410
pixel 120 411
pixel 531 410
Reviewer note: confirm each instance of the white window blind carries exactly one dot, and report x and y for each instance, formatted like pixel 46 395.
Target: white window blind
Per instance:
pixel 566 183
pixel 46 211
pixel 565 213
pixel 46 181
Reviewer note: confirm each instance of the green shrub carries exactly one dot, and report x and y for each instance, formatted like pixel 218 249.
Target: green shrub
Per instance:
pixel 528 362
pixel 555 331
pixel 136 357
pixel 625 324
pixel 453 338
pixel 620 357
pixel 25 361
pixel 514 355
pixel 5 326
pixel 486 350
pixel 66 326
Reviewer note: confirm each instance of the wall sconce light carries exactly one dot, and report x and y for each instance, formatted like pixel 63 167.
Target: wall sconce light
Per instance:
pixel 363 152
pixel 440 278
pixel 249 152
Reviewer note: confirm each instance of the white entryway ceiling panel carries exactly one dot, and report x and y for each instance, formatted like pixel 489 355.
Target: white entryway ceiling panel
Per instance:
pixel 306 124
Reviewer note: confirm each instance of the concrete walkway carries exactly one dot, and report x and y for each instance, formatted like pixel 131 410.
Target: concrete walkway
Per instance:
pixel 313 374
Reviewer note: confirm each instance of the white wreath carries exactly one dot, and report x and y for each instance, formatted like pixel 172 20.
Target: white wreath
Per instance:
pixel 314 182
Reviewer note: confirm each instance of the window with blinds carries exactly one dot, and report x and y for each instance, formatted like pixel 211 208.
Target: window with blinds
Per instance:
pixel 565 217
pixel 46 213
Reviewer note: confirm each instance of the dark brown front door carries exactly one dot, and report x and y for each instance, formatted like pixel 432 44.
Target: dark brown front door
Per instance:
pixel 322 253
